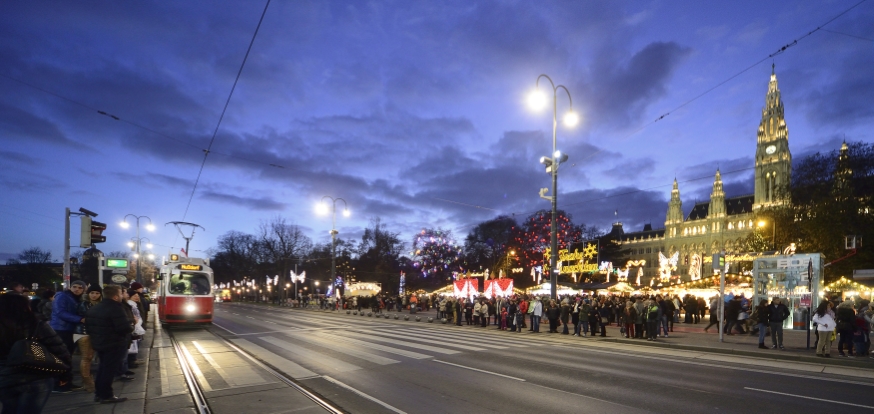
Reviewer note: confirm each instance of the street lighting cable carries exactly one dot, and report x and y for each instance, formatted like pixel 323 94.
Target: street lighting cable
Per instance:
pixel 224 110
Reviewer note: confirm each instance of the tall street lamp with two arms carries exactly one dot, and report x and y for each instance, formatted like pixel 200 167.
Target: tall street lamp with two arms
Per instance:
pixel 322 208
pixel 537 101
pixel 150 227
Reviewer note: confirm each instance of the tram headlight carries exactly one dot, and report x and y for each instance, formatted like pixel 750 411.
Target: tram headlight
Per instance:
pixel 190 308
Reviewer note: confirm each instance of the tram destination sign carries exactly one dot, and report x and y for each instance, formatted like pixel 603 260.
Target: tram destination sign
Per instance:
pixel 190 267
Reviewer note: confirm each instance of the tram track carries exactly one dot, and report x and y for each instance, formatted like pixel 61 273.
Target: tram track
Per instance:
pixel 193 376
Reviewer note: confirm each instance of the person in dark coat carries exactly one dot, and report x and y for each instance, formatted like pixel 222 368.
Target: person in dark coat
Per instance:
pixel 25 391
pixel 553 312
pixel 565 315
pixel 65 318
pixel 110 331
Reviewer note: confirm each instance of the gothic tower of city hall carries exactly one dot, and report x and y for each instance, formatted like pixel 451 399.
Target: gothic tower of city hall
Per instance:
pixel 723 222
pixel 773 159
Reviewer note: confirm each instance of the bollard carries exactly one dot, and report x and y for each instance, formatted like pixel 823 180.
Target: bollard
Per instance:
pixel 443 321
pixel 430 320
pixel 355 312
pixel 348 312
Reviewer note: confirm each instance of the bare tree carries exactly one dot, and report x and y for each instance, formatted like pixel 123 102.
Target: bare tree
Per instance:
pixel 281 243
pixel 35 255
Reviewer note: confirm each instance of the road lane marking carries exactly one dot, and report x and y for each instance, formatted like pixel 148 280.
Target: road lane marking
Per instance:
pixel 222 327
pixel 479 337
pixel 195 369
pixel 374 399
pixel 809 398
pixel 408 344
pixel 313 356
pixel 479 370
pixel 459 346
pixel 401 352
pixel 681 361
pixel 335 345
pixel 243 375
pixel 282 364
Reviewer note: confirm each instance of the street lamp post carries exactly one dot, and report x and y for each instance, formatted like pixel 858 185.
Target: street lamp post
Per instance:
pixel 762 223
pixel 149 227
pixel 323 209
pixel 537 100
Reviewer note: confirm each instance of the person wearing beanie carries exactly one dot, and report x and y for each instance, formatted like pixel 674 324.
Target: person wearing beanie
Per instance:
pixel 44 308
pixel 144 304
pixel 845 317
pixel 65 318
pixel 83 340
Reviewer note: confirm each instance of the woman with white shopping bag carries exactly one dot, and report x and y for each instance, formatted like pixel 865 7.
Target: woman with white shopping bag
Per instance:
pixel 138 333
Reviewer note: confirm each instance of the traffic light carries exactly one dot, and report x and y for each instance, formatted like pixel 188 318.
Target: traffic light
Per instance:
pixel 718 261
pixel 90 232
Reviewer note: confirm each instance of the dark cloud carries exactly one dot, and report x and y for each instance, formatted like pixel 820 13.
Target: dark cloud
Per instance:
pixel 254 203
pixel 621 89
pixel 17 157
pixel 20 125
pixel 635 207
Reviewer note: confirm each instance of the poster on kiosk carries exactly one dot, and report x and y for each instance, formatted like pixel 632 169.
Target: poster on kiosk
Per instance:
pixel 113 271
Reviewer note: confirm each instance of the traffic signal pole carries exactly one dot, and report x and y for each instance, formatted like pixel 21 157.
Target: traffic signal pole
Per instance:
pixel 67 270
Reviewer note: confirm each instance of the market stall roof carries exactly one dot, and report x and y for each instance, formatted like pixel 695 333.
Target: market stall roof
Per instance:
pixel 600 286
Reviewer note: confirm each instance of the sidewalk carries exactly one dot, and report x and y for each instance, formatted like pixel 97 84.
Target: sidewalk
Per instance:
pixel 692 337
pixel 82 402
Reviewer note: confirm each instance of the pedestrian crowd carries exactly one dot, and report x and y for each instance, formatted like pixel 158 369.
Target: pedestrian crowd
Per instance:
pixel 105 325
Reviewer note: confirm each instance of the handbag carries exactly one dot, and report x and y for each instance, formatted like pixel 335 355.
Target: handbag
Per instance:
pixel 604 320
pixel 29 353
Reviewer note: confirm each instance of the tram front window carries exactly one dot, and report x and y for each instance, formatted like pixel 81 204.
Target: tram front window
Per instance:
pixel 190 284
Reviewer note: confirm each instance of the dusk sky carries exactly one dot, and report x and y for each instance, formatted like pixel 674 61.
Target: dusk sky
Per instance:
pixel 413 112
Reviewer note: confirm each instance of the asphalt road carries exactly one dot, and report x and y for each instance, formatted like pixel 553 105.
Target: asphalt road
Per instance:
pixel 370 365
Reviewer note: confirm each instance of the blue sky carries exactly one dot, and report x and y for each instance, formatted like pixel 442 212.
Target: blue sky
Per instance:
pixel 413 112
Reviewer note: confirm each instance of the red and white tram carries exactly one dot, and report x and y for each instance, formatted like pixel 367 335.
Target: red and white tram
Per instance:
pixel 184 291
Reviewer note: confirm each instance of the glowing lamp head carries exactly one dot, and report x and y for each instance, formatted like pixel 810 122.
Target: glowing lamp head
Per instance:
pixel 321 208
pixel 571 119
pixel 346 212
pixel 537 100
pixel 762 224
pixel 149 245
pixel 130 244
pixel 124 224
pixel 150 227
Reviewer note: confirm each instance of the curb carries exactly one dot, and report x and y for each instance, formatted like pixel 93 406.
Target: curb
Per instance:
pixel 860 363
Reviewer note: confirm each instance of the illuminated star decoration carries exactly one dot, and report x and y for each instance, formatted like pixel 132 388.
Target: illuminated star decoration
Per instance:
pixel 666 265
pixel 590 251
pixel 622 275
pixel 695 267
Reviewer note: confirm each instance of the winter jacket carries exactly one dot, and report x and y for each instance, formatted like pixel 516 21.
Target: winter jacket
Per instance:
pixel 45 309
pixel 523 307
pixel 640 317
pixel 630 315
pixel 777 313
pixel 652 312
pixel 44 333
pixel 762 315
pixel 824 323
pixel 64 312
pixel 845 318
pixel 565 313
pixel 553 312
pixel 538 308
pixel 108 326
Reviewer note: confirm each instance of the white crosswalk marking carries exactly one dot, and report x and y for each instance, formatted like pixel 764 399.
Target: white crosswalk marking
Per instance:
pixel 397 351
pixel 294 370
pixel 430 348
pixel 311 356
pixel 417 337
pixel 484 340
pixel 326 343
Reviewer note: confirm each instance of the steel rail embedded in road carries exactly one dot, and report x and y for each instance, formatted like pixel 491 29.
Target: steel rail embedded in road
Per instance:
pixel 278 374
pixel 186 361
pixel 194 388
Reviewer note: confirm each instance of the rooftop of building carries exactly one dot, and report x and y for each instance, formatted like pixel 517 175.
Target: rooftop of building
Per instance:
pixel 733 206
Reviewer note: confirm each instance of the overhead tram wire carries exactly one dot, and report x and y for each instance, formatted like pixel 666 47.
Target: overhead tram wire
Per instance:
pixel 772 55
pixel 224 110
pixel 132 123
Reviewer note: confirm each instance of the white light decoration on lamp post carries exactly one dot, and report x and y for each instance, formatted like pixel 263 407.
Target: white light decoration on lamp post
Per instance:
pixel 537 100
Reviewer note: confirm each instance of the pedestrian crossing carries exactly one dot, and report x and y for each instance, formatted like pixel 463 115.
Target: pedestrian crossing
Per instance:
pixel 306 344
pixel 319 344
